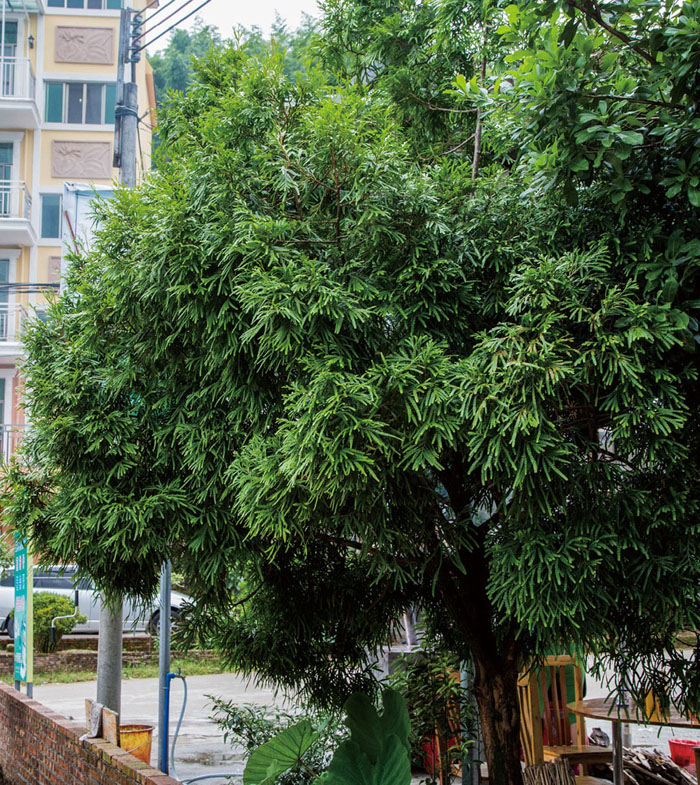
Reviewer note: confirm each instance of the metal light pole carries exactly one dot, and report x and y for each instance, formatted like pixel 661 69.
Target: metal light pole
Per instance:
pixel 109 652
pixel 164 664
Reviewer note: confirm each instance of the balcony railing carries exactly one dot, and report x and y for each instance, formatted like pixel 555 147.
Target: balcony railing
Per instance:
pixel 10 437
pixel 11 320
pixel 17 78
pixel 15 200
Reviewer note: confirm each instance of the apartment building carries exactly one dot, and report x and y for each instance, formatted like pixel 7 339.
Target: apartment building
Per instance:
pixel 58 70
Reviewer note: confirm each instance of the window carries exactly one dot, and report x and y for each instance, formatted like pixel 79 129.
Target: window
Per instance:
pixel 53 582
pixel 6 160
pixel 80 103
pixel 51 214
pixel 98 5
pixel 4 321
pixel 9 66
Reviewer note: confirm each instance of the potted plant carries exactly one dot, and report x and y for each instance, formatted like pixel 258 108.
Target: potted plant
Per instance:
pixel 429 680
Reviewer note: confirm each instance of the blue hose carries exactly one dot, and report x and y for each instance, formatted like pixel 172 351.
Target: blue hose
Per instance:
pixel 164 741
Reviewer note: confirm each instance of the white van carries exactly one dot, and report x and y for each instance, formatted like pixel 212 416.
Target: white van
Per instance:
pixel 63 580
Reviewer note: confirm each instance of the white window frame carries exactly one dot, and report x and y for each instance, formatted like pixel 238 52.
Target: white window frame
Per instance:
pixel 8 374
pixel 84 11
pixel 66 126
pixel 14 138
pixel 13 255
pixel 48 242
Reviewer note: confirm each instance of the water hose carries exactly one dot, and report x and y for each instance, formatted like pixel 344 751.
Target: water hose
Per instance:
pixel 164 741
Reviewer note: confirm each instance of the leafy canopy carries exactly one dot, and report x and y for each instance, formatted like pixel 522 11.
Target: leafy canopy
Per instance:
pixel 315 350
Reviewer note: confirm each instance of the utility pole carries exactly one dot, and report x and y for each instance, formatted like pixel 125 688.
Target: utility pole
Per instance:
pixel 109 651
pixel 164 667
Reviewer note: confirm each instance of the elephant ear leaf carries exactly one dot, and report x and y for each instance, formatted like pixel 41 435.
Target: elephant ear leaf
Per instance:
pixel 369 730
pixel 364 725
pixel 393 766
pixel 395 719
pixel 278 755
pixel 350 765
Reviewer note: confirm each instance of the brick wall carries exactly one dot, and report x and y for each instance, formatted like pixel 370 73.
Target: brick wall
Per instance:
pixel 40 747
pixel 84 660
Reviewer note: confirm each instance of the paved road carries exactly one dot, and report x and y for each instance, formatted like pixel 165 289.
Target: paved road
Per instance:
pixel 201 749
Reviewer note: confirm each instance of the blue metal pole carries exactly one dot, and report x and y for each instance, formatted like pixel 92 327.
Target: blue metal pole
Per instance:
pixel 164 664
pixel 163 764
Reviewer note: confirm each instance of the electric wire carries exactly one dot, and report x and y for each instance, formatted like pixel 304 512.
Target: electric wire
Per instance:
pixel 159 22
pixel 158 10
pixel 166 31
pixel 31 288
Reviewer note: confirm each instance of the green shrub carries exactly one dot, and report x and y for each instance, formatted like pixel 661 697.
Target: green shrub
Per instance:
pixel 46 607
pixel 375 752
pixel 429 681
pixel 251 726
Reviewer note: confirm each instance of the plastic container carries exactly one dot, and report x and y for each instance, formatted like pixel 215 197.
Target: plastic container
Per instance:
pixel 137 739
pixel 682 751
pixel 431 758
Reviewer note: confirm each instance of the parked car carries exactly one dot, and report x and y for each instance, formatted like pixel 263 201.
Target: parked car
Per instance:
pixel 63 580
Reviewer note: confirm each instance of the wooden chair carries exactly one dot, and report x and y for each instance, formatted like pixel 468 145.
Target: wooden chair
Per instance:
pixel 543 711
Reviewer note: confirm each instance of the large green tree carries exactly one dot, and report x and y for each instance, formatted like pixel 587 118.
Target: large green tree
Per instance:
pixel 337 348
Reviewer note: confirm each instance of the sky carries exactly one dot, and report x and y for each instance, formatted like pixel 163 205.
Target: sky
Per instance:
pixel 226 14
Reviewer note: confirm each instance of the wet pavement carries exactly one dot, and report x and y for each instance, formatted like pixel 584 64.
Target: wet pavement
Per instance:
pixel 200 748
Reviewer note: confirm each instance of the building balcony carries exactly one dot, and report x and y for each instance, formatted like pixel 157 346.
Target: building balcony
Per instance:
pixel 10 437
pixel 15 213
pixel 11 320
pixel 18 106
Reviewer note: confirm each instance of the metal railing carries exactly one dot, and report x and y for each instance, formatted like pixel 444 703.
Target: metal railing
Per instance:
pixel 10 437
pixel 17 78
pixel 11 320
pixel 15 200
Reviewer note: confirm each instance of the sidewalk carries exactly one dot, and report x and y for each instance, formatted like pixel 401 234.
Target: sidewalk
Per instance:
pixel 200 747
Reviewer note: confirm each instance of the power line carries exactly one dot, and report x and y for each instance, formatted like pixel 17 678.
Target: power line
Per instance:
pixel 165 32
pixel 159 9
pixel 159 22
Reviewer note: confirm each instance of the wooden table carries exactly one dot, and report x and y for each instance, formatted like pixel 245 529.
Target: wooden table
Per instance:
pixel 607 709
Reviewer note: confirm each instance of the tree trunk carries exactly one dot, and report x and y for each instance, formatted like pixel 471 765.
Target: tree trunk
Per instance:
pixel 496 694
pixel 496 659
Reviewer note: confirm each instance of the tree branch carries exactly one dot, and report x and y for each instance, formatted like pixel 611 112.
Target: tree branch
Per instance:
pixel 435 108
pixel 479 126
pixel 591 11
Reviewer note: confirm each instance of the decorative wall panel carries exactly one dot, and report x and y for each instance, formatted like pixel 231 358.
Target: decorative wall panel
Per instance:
pixel 93 45
pixel 54 269
pixel 91 160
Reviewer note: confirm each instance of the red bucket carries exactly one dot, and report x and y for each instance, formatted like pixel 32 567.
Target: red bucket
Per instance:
pixel 682 751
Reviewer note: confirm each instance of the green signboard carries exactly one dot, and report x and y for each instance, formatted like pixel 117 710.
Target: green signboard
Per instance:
pixel 24 627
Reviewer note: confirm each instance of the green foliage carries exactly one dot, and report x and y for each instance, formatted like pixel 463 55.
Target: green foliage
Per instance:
pixel 173 67
pixel 251 726
pixel 316 352
pixel 46 607
pixel 429 681
pixel 284 751
pixel 604 99
pixel 375 754
pixel 6 554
